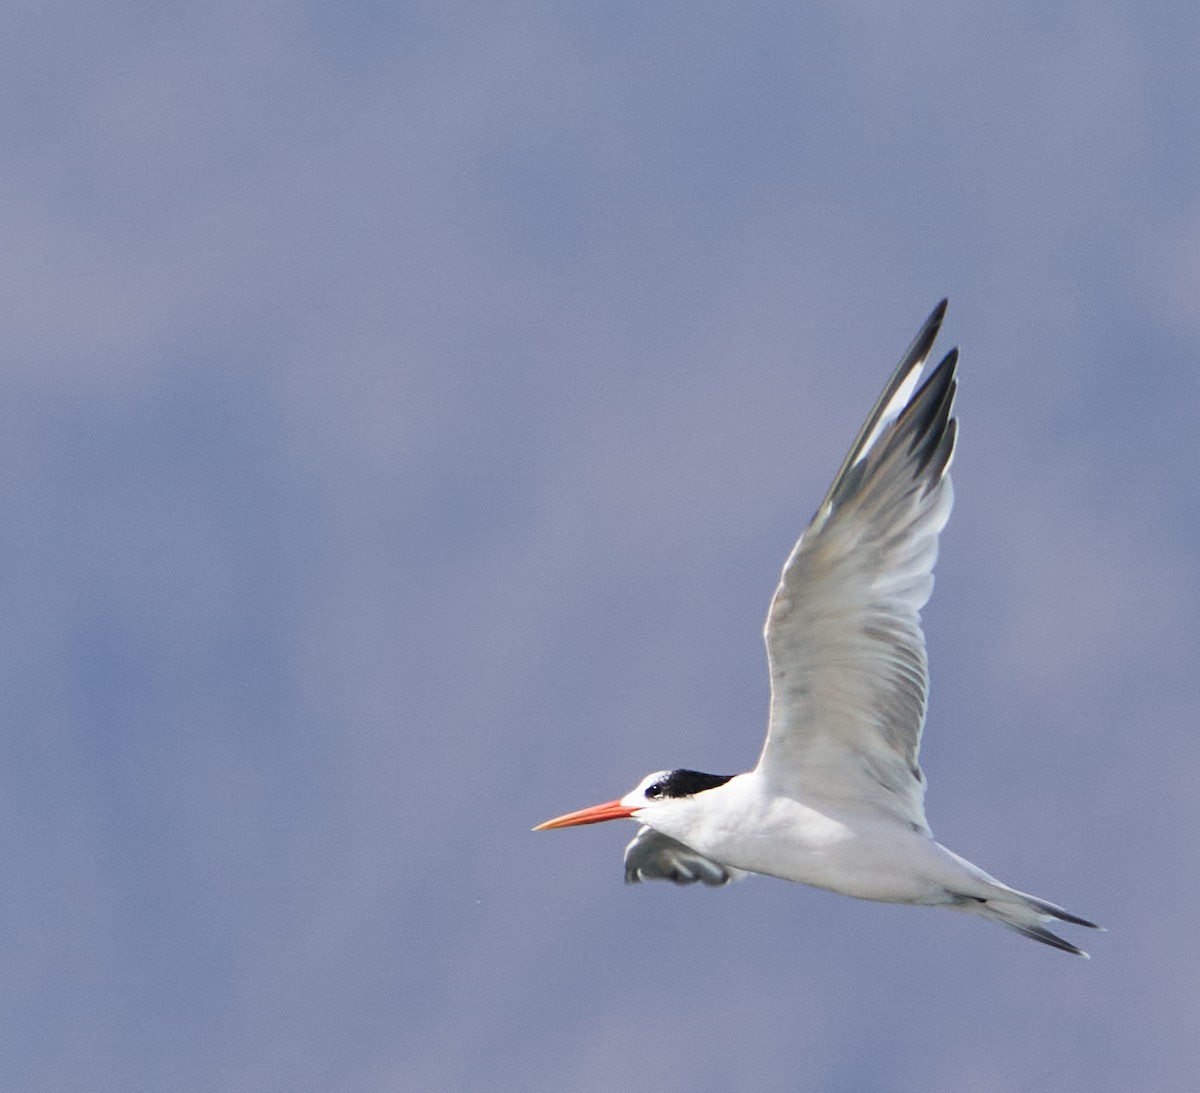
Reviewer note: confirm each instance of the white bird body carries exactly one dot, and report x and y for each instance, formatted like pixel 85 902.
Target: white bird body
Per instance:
pixel 750 826
pixel 837 798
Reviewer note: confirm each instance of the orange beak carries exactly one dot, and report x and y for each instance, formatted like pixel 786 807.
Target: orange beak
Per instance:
pixel 612 810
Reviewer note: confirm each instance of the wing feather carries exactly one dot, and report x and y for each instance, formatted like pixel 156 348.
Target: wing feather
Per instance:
pixel 849 678
pixel 654 856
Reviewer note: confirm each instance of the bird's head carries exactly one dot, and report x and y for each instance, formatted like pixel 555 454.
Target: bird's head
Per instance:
pixel 657 794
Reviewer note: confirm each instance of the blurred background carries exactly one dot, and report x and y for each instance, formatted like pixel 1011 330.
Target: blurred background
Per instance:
pixel 405 410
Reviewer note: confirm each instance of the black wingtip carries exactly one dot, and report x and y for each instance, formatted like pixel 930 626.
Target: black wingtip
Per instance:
pixel 931 326
pixel 928 419
pixel 923 342
pixel 915 356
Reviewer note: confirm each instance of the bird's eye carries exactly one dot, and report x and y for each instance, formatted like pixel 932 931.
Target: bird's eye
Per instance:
pixel 655 791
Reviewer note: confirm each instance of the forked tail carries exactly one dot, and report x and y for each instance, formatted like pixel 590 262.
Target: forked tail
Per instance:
pixel 1025 914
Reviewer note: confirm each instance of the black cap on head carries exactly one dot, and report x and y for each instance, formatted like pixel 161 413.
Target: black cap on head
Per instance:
pixel 685 783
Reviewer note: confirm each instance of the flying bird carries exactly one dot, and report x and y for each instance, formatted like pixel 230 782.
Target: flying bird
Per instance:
pixel 837 798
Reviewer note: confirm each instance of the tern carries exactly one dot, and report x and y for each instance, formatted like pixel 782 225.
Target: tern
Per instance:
pixel 837 798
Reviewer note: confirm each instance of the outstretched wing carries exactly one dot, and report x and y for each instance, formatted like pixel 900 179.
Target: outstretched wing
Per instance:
pixel 654 856
pixel 843 634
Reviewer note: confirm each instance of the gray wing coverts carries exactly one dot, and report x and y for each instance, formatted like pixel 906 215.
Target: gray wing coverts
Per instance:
pixel 653 856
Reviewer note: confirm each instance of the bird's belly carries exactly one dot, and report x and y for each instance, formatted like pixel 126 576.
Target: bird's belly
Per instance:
pixel 876 859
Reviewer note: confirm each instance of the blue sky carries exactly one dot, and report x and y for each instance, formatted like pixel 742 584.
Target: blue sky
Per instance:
pixel 407 409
